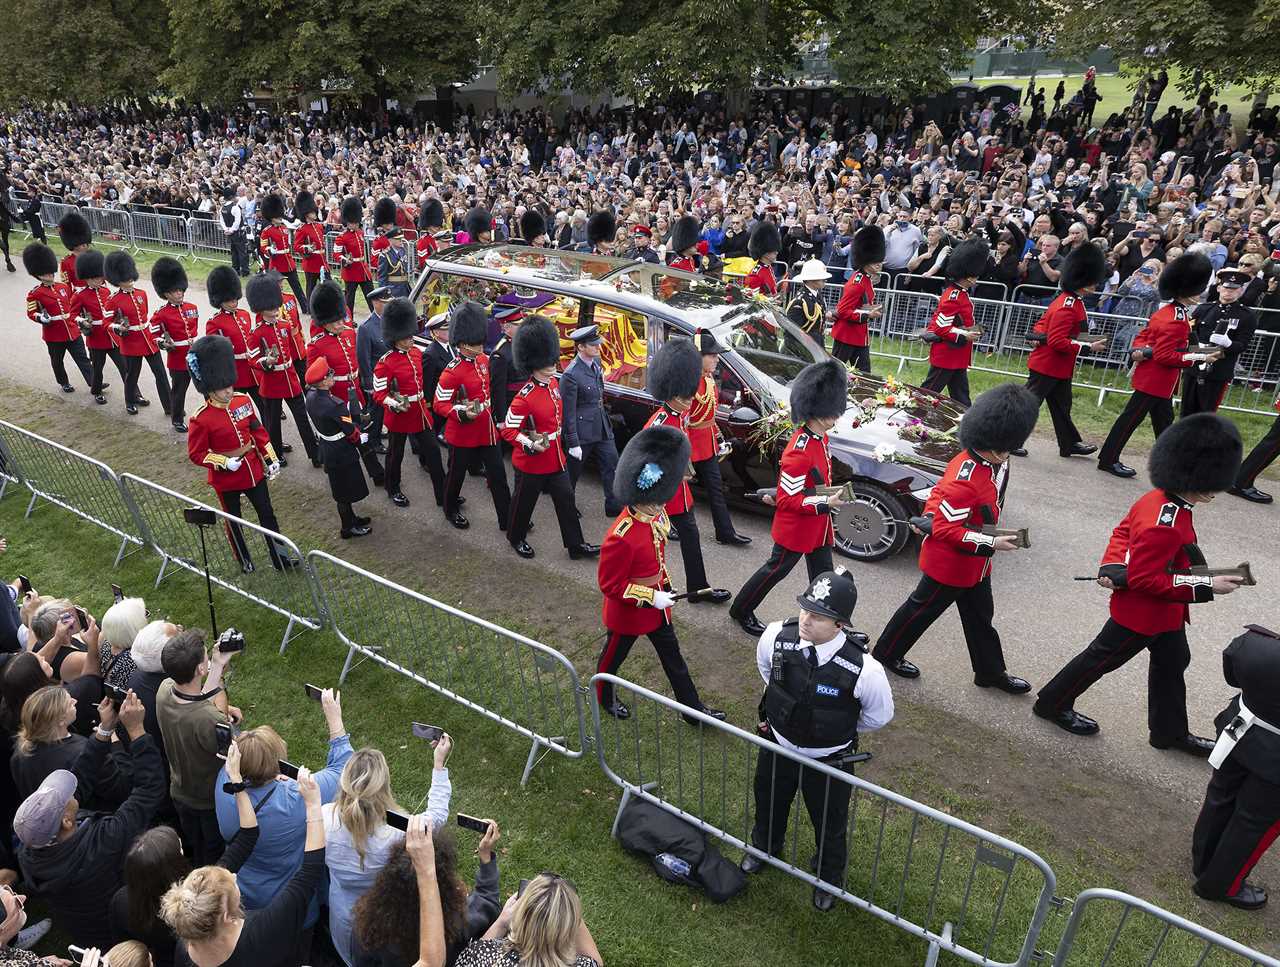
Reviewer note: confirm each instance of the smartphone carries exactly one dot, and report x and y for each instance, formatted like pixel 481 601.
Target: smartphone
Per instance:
pixel 430 733
pixel 117 593
pixel 223 732
pixel 470 822
pixel 312 691
pixel 288 769
pixel 76 953
pixel 24 584
pixel 115 693
pixel 199 516
pixel 520 888
pixel 83 617
pixel 1141 234
pixel 397 820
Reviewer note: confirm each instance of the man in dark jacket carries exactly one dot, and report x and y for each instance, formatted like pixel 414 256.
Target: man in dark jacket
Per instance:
pixel 587 430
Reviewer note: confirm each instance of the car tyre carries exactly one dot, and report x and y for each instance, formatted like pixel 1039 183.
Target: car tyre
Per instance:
pixel 869 528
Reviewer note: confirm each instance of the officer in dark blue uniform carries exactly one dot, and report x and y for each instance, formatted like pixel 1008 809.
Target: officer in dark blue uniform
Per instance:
pixel 587 431
pixel 821 690
pixel 369 349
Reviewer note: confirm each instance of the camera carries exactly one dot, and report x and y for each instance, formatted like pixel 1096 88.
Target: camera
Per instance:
pixel 115 693
pixel 230 640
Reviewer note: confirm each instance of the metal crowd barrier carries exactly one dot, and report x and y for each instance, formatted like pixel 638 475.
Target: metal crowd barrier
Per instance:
pixel 289 591
pixel 207 242
pixel 959 888
pixel 513 680
pixel 162 234
pixel 86 487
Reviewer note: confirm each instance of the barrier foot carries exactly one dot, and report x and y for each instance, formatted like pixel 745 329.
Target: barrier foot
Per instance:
pixel 288 633
pixel 124 542
pixel 532 760
pixel 622 804
pixel 931 960
pixel 349 666
pixel 31 505
pixel 4 486
pixel 902 362
pixel 164 562
pixel 346 665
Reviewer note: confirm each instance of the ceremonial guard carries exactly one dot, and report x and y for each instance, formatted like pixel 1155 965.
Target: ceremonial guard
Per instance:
pixel 430 221
pixel 506 377
pixel 337 344
pixel 291 318
pixel 708 444
pixel 227 439
pixel 384 220
pixel 1147 567
pixel 370 347
pixel 1160 352
pixel 958 545
pixel 91 307
pixel 348 249
pixel 682 250
pixel 49 306
pixel 478 226
pixel 588 433
pixel 534 426
pixel 1241 813
pixel 642 239
pixel 821 690
pixel 76 236
pixel 851 342
pixel 675 372
pixel 463 397
pixel 393 264
pixel 802 517
pixel 533 228
pixel 339 440
pixel 399 389
pixel 763 246
pixel 1258 460
pixel 234 323
pixel 633 577
pixel 271 358
pixel 1227 324
pixel 602 229
pixel 178 323
pixel 807 309
pixel 1059 335
pixel 308 241
pixel 136 332
pixel 276 248
pixel 952 332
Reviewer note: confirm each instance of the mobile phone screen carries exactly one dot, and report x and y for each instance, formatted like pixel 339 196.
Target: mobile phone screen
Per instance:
pixel 397 820
pixel 430 733
pixel 117 593
pixel 470 822
pixel 24 585
pixel 83 617
pixel 288 769
pixel 223 732
pixel 312 691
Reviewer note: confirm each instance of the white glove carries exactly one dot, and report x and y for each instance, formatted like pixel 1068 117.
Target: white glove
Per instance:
pixel 1221 339
pixel 663 599
pixel 1196 357
pixel 234 463
pixel 273 469
pixel 575 452
pixel 364 438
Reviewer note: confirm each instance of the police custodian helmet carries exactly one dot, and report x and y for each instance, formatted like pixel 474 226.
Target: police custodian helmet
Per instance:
pixel 831 594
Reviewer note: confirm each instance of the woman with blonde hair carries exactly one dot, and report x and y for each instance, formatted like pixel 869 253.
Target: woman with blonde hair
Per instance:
pixel 120 625
pixel 45 743
pixel 541 927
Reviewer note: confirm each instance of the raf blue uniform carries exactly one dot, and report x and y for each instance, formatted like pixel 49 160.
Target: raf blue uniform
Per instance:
pixel 369 349
pixel 586 425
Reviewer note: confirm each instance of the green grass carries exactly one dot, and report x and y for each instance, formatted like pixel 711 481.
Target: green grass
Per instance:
pixel 197 269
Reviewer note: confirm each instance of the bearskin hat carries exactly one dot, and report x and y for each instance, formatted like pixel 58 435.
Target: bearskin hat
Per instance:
pixel 328 304
pixel 478 222
pixel 1199 454
pixel 532 225
pixel 272 207
pixel 223 285
pixel 1000 419
pixel 685 232
pixel 820 391
pixel 38 259
pixel 868 246
pixel 431 214
pixel 675 370
pixel 652 466
pixel 120 268
pixel 602 226
pixel 74 230
pixel 765 238
pixel 399 321
pixel 352 210
pixel 1085 266
pixel 468 324
pixel 1185 276
pixel 384 212
pixel 90 265
pixel 167 275
pixel 304 203
pixel 262 292
pixel 536 344
pixel 968 260
pixel 212 362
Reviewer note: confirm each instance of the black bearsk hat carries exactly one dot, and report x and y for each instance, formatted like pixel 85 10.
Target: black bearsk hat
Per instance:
pixel 765 238
pixel 304 203
pixel 352 210
pixel 1199 454
pixel 532 224
pixel 431 214
pixel 868 246
pixel 223 285
pixel 820 391
pixel 602 226
pixel 399 320
pixel 1000 419
pixel 968 260
pixel 167 275
pixel 675 370
pixel 262 292
pixel 685 232
pixel 536 344
pixel 328 304
pixel 212 361
pixel 272 207
pixel 652 466
pixel 90 264
pixel 38 259
pixel 1085 266
pixel 120 267
pixel 468 324
pixel 478 221
pixel 1185 276
pixel 384 212
pixel 74 230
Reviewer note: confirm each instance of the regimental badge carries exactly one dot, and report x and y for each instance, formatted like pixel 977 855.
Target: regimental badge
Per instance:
pixel 966 470
pixel 1168 515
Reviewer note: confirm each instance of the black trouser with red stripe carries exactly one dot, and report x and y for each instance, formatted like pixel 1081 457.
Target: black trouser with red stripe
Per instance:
pixel 351 287
pixel 1260 457
pixel 616 648
pixel 1240 818
pixel 954 381
pixel 1139 405
pixel 1116 645
pixel 272 407
pixel 771 573
pixel 133 370
pixel 495 470
pixel 695 571
pixel 98 358
pixel 926 603
pixel 57 355
pixel 260 498
pixel 859 356
pixel 528 488
pixel 708 473
pixel 1056 393
pixel 179 380
pixel 428 459
pixel 1201 396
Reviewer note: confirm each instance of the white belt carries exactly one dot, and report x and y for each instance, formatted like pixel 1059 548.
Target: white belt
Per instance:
pixel 242 355
pixel 55 318
pixel 180 342
pixel 334 438
pixel 411 399
pixel 1242 723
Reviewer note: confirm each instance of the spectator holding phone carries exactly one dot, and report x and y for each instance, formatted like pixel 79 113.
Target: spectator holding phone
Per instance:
pixel 120 625
pixel 542 925
pixel 55 627
pixel 45 744
pixel 148 675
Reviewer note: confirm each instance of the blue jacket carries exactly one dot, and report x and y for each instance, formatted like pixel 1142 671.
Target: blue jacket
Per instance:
pixel 369 349
pixel 582 393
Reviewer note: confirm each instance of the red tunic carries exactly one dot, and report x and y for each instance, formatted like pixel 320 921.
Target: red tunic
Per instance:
pixel 405 367
pixel 683 262
pixel 1167 332
pixel 801 519
pixel 236 326
pixel 955 311
pixel 214 431
pixel 308 244
pixel 857 297
pixel 472 376
pixel 340 351
pixel 379 245
pixel 956 552
pixel 136 331
pixel 682 502
pixel 275 248
pixel 348 249
pixel 277 380
pixel 541 403
pixel 703 433
pixel 291 314
pixel 95 302
pixel 762 279
pixel 427 246
pixel 1061 323
pixel 181 323
pixel 54 300
pixel 633 563
pixel 69 277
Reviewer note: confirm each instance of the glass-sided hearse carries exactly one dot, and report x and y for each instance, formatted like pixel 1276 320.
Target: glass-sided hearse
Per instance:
pixel 891 447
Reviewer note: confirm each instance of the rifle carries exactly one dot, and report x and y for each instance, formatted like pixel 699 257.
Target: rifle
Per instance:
pixel 358 414
pixel 473 408
pixel 924 335
pixel 1241 570
pixel 393 392
pixel 530 429
pixel 1021 535
pixel 843 491
pixel 85 322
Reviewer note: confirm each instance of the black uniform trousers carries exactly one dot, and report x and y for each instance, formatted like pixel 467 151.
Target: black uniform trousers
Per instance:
pixel 708 474
pixel 1201 396
pixel 238 242
pixel 495 472
pixel 605 453
pixel 312 279
pixel 302 295
pixel 923 607
pixel 271 410
pixel 1260 457
pixel 428 449
pixel 260 498
pixel 133 369
pixel 616 648
pixel 1056 393
pixel 57 359
pixel 1139 405
pixel 1114 646
pixel 695 571
pixel 954 381
pixel 98 362
pixel 777 780
pixel 179 380
pixel 366 287
pixel 771 573
pixel 859 356
pixel 1240 818
pixel 527 488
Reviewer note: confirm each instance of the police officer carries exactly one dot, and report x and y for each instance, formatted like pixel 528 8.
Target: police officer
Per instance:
pixel 369 349
pixel 806 309
pixel 588 433
pixel 1227 324
pixel 1241 810
pixel 821 690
